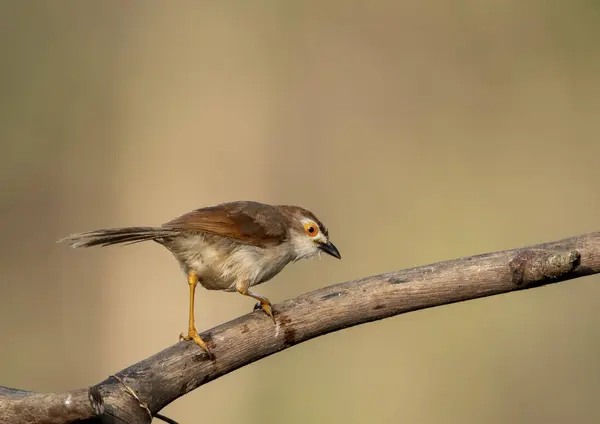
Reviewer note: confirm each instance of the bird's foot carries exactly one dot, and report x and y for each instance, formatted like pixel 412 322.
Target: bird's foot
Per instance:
pixel 266 307
pixel 193 335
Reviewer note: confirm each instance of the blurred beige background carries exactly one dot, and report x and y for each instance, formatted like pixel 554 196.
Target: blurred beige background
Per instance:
pixel 417 130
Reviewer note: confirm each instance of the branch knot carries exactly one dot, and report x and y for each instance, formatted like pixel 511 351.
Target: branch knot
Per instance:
pixel 535 266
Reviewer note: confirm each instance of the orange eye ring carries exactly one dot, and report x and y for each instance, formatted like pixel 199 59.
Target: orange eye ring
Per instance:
pixel 311 229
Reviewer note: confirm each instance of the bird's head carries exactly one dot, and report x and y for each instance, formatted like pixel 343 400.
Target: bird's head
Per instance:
pixel 307 234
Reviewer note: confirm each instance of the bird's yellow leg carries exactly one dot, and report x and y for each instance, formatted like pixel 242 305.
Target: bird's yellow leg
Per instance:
pixel 192 333
pixel 265 304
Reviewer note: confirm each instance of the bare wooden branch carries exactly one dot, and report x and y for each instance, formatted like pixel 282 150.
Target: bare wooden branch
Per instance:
pixel 181 368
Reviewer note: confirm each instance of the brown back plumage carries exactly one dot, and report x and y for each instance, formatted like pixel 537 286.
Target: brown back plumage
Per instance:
pixel 253 223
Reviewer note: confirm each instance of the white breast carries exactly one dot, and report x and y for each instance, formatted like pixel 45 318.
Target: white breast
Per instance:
pixel 220 262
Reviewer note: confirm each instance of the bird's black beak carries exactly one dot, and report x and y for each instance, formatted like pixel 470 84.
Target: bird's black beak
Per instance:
pixel 330 249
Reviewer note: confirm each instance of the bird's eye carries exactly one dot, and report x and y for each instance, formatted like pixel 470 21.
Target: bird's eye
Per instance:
pixel 311 230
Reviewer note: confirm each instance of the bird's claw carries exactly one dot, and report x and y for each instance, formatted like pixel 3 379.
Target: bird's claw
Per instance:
pixel 195 337
pixel 266 308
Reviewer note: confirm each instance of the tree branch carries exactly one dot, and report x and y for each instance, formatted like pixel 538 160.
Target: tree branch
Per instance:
pixel 181 368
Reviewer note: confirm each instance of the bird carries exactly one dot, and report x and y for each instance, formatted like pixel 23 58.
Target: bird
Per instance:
pixel 230 246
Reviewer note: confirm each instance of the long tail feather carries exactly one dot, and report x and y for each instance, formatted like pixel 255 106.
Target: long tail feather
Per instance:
pixel 111 236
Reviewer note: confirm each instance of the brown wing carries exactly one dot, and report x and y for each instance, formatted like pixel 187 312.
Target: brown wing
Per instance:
pixel 248 222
